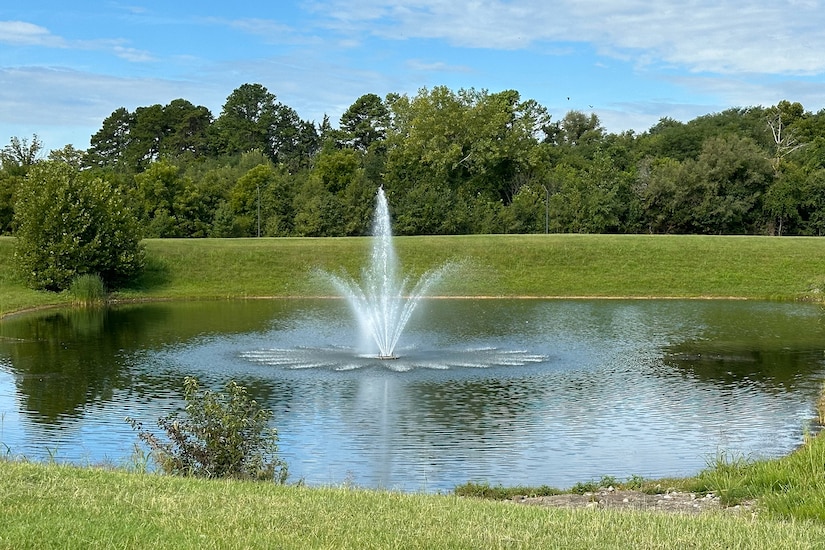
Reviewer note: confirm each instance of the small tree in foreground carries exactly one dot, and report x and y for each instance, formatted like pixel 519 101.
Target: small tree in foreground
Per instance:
pixel 69 224
pixel 224 434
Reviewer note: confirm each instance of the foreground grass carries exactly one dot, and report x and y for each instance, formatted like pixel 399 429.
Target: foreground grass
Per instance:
pixel 490 265
pixel 50 506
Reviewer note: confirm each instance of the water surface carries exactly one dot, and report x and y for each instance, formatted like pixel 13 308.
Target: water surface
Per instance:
pixel 504 391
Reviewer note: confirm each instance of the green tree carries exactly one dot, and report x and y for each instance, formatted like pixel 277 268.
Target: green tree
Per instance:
pixel 187 130
pixel 317 211
pixel 365 122
pixel 71 156
pixel 735 174
pixel 109 145
pixel 70 224
pixel 527 212
pixel 20 154
pixel 16 159
pixel 813 203
pixel 783 201
pixel 159 194
pixel 668 190
pixel 246 119
pixel 253 119
pixel 459 148
pixel 246 197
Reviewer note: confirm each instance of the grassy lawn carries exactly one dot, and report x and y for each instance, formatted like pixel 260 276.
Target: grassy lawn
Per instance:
pixel 488 265
pixel 48 506
pixel 51 506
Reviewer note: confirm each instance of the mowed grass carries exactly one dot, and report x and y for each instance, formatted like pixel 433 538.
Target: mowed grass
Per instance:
pixel 485 265
pixel 499 265
pixel 51 506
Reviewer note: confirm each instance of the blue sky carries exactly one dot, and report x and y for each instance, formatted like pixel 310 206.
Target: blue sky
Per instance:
pixel 65 66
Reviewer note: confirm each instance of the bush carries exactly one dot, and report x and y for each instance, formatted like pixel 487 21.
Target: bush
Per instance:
pixel 68 224
pixel 222 435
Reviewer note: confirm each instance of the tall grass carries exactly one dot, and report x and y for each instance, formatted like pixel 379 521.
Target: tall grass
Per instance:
pixel 87 290
pixel 791 487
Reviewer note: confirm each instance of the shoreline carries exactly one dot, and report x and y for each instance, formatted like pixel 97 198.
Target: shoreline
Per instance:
pixel 148 300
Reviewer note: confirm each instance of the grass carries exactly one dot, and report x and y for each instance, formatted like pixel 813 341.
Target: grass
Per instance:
pixel 54 506
pixel 87 290
pixel 501 265
pixel 640 266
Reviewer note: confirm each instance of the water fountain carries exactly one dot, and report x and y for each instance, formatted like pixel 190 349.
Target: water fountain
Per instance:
pixel 381 302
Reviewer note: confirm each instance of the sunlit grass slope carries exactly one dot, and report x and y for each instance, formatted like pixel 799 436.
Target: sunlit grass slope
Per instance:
pixel 487 265
pixel 500 265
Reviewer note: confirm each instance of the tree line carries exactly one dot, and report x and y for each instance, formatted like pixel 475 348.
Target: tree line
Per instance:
pixel 451 162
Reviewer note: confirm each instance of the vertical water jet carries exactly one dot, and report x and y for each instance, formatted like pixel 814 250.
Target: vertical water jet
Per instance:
pixel 383 302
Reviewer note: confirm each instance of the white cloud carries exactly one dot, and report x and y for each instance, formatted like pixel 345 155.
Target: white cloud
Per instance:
pixel 59 97
pixel 437 66
pixel 132 54
pixel 21 33
pixel 762 36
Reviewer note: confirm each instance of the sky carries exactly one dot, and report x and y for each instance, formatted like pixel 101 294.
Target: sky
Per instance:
pixel 66 66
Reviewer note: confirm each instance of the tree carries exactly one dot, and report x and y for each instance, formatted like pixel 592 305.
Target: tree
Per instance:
pixel 734 174
pixel 668 191
pixel 70 224
pixel 365 122
pixel 246 118
pixel 159 196
pixel 245 197
pixel 16 159
pixel 780 120
pixel 783 200
pixel 20 153
pixel 75 158
pixel 110 144
pixel 457 148
pixel 187 129
pixel 252 118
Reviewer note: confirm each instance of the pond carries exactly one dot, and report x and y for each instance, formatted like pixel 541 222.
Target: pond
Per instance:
pixel 511 392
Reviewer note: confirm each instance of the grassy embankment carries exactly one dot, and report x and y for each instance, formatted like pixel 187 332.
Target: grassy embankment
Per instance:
pixel 506 265
pixel 57 506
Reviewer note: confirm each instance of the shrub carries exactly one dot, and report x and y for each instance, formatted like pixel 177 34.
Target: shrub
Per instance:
pixel 224 434
pixel 69 224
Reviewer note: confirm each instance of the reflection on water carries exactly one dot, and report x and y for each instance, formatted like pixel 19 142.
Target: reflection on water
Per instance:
pixel 510 392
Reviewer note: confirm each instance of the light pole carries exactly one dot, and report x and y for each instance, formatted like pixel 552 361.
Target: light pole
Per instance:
pixel 258 187
pixel 546 209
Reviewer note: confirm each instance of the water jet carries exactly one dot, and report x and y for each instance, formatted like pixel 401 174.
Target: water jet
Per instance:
pixel 381 302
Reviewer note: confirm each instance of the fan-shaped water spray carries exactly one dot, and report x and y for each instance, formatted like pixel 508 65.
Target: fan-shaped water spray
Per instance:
pixel 383 302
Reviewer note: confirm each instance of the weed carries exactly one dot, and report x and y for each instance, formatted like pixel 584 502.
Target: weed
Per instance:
pixel 87 290
pixel 485 490
pixel 52 455
pixel 223 434
pixel 725 478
